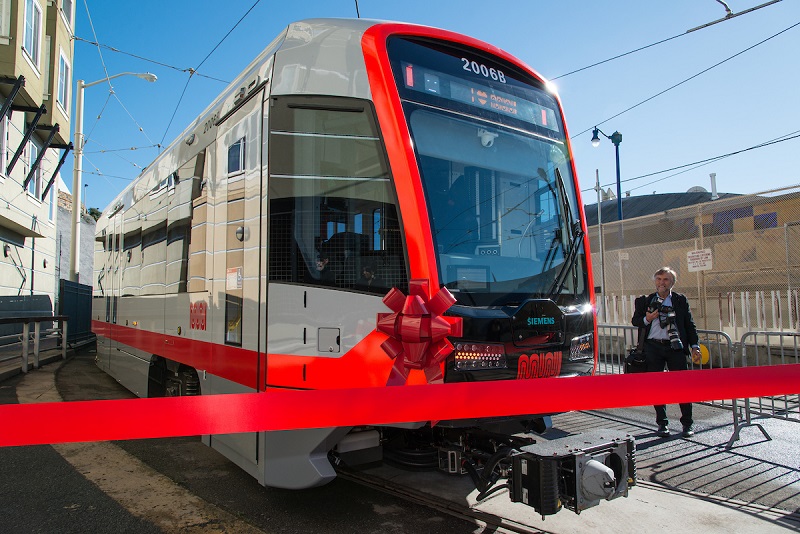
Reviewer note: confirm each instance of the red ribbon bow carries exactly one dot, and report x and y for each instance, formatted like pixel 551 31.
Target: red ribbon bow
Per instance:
pixel 417 331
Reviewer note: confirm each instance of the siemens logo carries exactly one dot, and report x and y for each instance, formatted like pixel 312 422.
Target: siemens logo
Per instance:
pixel 539 321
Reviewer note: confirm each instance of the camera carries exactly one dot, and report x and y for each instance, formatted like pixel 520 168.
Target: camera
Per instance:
pixel 487 137
pixel 675 342
pixel 666 316
pixel 667 320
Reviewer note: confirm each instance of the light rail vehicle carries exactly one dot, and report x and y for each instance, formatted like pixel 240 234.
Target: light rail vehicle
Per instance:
pixel 368 204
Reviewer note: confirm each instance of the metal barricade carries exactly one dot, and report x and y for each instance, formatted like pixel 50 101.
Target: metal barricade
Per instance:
pixel 719 351
pixel 773 348
pixel 767 348
pixel 616 340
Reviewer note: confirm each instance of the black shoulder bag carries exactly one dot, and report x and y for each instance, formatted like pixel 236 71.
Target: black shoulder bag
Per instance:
pixel 635 362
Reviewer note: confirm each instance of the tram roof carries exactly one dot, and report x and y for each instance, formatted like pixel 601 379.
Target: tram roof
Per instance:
pixel 288 42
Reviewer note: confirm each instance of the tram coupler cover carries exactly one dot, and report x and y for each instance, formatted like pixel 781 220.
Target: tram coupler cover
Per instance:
pixel 576 472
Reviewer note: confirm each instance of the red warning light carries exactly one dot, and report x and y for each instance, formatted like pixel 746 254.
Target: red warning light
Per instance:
pixel 409 76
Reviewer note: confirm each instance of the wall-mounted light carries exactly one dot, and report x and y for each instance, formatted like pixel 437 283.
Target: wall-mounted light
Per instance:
pixel 6 250
pixel 129 255
pixel 44 264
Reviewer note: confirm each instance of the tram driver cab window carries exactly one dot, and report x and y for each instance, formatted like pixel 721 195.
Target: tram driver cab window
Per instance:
pixel 332 201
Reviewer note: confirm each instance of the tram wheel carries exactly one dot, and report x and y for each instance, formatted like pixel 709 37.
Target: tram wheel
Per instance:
pixel 184 383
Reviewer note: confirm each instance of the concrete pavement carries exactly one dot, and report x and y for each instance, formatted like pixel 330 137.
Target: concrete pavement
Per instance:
pixel 11 357
pixel 694 486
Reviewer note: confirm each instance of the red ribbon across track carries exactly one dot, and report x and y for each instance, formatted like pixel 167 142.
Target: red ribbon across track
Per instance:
pixel 34 424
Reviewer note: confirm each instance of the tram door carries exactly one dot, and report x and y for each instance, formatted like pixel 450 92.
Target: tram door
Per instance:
pixel 235 209
pixel 101 308
pixel 114 274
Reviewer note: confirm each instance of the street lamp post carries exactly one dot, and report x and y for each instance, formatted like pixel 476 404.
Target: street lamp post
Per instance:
pixel 77 170
pixel 615 138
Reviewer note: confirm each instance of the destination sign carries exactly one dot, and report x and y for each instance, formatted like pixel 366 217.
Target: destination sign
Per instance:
pixel 477 95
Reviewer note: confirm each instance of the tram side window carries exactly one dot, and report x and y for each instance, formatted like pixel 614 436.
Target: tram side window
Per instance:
pixel 333 210
pixel 233 320
pixel 236 156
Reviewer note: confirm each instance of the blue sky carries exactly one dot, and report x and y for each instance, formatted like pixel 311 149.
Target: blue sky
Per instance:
pixel 748 100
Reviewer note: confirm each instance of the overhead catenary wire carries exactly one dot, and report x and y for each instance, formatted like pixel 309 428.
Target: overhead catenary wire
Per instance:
pixel 108 150
pixel 97 118
pixel 702 162
pixel 108 81
pixel 91 26
pixel 780 139
pixel 194 70
pixel 175 111
pixel 153 61
pixel 618 56
pixel 117 155
pixel 685 80
pixel 99 173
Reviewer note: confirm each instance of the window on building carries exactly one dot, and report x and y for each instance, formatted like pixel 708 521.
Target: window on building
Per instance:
pixel 33 30
pixel 51 198
pixel 5 18
pixel 236 157
pixel 35 185
pixel 64 81
pixel 9 152
pixel 4 148
pixel 67 7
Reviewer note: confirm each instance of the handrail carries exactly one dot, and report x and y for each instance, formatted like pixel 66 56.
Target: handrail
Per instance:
pixel 37 321
pixel 33 318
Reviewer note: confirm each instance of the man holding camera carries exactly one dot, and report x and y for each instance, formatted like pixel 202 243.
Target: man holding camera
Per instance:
pixel 669 330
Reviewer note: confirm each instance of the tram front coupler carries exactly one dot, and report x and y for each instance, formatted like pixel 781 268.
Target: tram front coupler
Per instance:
pixel 573 472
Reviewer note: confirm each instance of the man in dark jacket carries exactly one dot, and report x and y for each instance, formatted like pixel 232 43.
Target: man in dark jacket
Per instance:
pixel 669 332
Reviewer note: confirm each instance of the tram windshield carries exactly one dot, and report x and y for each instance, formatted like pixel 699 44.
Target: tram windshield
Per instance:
pixel 498 183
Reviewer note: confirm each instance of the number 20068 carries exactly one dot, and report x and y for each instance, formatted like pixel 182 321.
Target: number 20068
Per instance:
pixel 483 70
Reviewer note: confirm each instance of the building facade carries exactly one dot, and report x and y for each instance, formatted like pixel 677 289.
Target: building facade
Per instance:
pixel 64 240
pixel 36 58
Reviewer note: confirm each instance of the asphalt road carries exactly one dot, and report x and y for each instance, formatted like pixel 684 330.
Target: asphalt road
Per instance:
pixel 119 487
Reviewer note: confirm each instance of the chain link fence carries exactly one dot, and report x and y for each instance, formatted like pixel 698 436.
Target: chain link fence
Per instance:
pixel 737 260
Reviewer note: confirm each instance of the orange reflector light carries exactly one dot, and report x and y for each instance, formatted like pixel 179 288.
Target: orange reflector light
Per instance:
pixel 475 356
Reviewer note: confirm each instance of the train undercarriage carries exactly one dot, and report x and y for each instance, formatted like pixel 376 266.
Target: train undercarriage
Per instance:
pixel 573 472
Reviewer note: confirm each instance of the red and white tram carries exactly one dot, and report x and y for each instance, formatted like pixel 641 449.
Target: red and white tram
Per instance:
pixel 352 164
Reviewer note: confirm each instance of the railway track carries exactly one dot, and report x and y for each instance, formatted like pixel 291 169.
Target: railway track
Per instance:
pixel 491 522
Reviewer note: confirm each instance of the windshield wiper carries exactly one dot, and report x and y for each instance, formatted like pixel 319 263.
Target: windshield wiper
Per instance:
pixel 576 238
pixel 569 261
